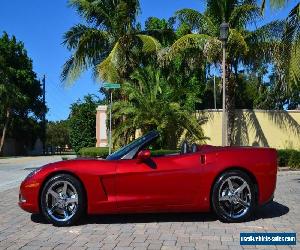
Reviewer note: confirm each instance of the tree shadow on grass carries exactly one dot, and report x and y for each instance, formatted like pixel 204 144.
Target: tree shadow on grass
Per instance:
pixel 271 210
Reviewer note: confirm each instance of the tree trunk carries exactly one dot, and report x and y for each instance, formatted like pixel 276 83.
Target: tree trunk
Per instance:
pixel 230 105
pixel 4 130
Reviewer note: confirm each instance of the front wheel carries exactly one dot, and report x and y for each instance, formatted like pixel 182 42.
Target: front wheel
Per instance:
pixel 62 200
pixel 233 196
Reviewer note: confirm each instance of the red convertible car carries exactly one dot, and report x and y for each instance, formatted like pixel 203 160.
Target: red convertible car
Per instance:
pixel 231 181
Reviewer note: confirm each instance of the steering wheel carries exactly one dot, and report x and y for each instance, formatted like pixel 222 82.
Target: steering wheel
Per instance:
pixel 184 148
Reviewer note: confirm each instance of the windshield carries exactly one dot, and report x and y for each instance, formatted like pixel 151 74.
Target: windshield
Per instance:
pixel 134 146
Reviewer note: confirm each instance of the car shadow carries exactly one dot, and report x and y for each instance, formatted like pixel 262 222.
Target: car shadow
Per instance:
pixel 137 218
pixel 271 210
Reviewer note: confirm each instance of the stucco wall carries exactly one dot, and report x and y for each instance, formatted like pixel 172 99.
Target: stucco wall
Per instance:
pixel 277 129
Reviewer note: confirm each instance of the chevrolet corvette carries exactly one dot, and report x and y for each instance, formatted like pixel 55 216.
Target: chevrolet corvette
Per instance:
pixel 230 181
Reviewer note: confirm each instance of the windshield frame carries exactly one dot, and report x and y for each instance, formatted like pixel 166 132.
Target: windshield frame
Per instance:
pixel 131 149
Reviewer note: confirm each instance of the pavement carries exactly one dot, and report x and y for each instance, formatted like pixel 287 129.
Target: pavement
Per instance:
pixel 14 169
pixel 21 230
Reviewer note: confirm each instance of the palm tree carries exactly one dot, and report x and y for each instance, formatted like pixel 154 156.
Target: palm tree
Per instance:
pixel 244 47
pixel 153 104
pixel 291 41
pixel 109 43
pixel 290 55
pixel 273 3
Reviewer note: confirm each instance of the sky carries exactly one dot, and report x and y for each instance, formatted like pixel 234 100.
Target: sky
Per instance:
pixel 41 25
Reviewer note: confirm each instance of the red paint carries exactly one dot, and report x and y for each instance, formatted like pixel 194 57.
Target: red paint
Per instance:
pixel 157 184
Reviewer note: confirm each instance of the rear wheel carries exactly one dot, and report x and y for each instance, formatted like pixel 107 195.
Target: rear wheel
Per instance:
pixel 233 197
pixel 62 200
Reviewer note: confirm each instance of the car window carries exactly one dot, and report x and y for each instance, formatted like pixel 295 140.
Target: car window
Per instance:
pixel 134 146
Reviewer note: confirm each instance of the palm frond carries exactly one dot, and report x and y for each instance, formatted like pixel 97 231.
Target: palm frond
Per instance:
pixel 93 11
pixel 151 104
pixel 109 69
pixel 165 36
pixel 117 17
pixel 72 36
pixel 294 68
pixel 275 4
pixel 292 30
pixel 272 31
pixel 264 43
pixel 199 23
pixel 243 15
pixel 188 122
pixel 90 47
pixel 150 44
pixel 237 46
pixel 291 44
pixel 106 69
pixel 190 41
pixel 71 70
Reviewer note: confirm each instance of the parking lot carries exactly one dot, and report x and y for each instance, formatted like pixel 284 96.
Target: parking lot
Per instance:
pixel 19 229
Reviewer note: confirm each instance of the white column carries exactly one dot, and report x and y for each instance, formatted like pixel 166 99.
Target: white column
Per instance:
pixel 101 129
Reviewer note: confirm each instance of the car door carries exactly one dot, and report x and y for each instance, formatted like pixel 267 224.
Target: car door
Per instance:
pixel 159 181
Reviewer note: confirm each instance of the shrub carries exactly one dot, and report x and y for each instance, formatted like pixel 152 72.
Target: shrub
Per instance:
pixel 82 123
pixel 93 152
pixel 283 157
pixel 294 160
pixel 289 158
pixel 103 152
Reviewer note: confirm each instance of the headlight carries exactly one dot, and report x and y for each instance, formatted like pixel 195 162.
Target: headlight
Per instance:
pixel 21 198
pixel 33 173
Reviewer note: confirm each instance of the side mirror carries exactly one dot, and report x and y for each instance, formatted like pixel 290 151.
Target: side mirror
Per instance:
pixel 143 155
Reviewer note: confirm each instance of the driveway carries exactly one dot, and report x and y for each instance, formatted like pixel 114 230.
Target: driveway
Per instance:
pixel 14 169
pixel 20 230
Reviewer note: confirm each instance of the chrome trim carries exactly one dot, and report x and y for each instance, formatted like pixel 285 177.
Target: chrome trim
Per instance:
pixel 234 197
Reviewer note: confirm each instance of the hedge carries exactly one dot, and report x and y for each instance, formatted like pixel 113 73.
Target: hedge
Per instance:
pixel 289 158
pixel 93 152
pixel 286 157
pixel 103 152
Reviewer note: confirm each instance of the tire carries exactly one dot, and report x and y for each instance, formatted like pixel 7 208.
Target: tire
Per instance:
pixel 233 196
pixel 62 200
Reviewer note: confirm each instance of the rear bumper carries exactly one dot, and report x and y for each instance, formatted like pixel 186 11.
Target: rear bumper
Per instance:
pixel 268 201
pixel 266 188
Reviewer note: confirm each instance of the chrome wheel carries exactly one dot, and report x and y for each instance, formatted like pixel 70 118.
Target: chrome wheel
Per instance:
pixel 234 197
pixel 61 201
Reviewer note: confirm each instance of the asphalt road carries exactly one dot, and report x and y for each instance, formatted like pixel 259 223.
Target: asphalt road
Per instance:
pixel 14 170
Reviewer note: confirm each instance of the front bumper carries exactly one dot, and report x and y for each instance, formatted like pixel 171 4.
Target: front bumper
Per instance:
pixel 29 196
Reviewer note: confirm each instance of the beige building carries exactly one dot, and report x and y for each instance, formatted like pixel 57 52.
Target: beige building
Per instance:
pixel 267 128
